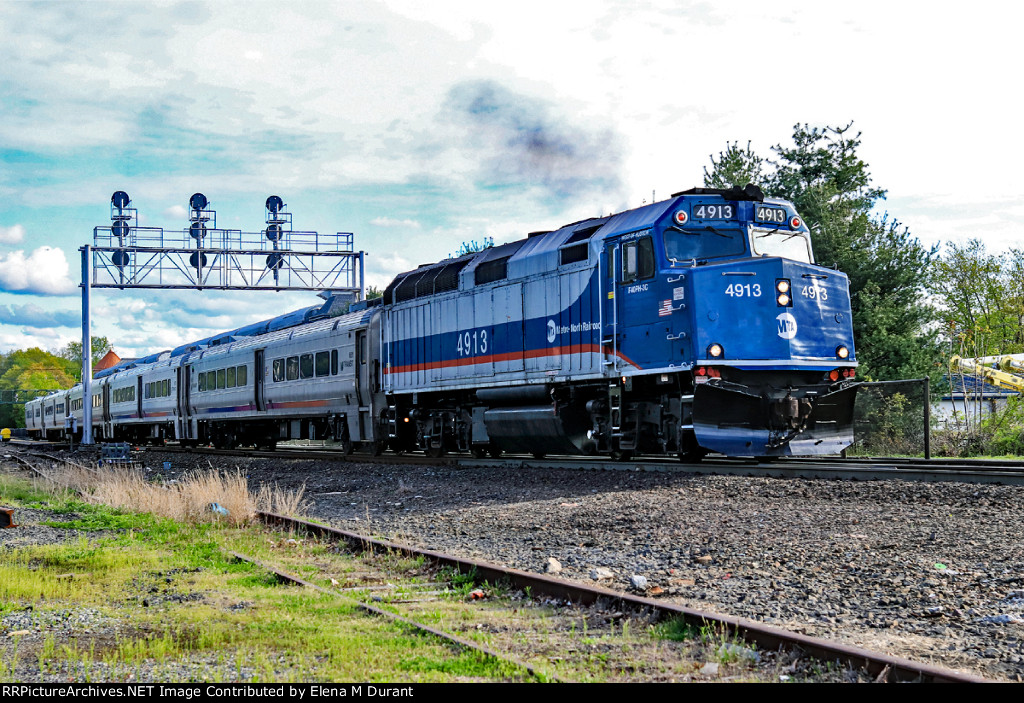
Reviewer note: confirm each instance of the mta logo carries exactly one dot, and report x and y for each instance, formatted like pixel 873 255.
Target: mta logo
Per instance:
pixel 787 325
pixel 552 330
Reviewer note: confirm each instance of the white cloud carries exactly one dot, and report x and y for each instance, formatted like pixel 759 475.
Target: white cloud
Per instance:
pixel 176 212
pixel 12 235
pixel 392 222
pixel 380 270
pixel 139 323
pixel 28 337
pixel 43 272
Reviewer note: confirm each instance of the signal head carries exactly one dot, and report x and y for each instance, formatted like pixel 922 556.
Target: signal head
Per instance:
pixel 120 199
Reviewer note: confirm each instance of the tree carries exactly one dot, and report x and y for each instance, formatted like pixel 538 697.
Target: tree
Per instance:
pixel 374 292
pixel 734 166
pixel 72 351
pixel 31 369
pixel 982 299
pixel 889 270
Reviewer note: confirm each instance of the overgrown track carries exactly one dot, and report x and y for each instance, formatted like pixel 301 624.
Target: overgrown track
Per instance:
pixel 372 610
pixel 883 666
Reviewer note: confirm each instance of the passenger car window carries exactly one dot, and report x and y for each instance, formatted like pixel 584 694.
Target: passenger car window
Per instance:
pixel 243 375
pixel 306 366
pixel 323 364
pixel 278 369
pixel 293 368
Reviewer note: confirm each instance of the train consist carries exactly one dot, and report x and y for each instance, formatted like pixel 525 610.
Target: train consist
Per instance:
pixel 692 325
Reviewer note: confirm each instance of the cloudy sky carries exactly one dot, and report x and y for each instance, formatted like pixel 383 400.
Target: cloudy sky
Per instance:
pixel 420 126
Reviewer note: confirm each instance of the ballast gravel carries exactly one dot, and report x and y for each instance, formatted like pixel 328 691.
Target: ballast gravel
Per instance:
pixel 932 572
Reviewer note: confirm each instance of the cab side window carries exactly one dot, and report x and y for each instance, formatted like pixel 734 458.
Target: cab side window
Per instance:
pixel 638 260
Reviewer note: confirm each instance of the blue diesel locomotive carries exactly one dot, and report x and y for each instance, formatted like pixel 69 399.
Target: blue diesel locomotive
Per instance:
pixel 692 325
pixel 695 324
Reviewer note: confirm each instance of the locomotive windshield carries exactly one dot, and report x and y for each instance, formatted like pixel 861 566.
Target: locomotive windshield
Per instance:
pixel 788 245
pixel 703 243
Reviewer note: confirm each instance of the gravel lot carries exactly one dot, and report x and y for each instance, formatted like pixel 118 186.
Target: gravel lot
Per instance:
pixel 930 572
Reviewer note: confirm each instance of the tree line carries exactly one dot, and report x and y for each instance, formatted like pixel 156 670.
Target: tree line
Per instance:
pixel 35 369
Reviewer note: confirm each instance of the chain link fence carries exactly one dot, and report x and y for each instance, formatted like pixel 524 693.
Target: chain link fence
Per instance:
pixel 892 418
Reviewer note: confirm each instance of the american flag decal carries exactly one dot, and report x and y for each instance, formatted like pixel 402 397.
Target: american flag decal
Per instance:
pixel 665 309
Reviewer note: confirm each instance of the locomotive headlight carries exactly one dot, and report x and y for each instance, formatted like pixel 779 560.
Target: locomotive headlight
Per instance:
pixel 842 352
pixel 715 351
pixel 782 286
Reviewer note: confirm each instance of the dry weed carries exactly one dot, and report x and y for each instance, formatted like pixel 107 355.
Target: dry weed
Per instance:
pixel 187 500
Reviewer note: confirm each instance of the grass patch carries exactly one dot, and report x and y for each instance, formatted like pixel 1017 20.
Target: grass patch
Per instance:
pixel 677 631
pixel 163 602
pixel 16 491
pixel 98 519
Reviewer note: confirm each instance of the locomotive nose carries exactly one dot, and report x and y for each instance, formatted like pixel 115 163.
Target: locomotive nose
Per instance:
pixel 773 310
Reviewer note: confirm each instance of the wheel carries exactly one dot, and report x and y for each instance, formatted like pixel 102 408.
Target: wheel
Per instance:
pixel 479 452
pixel 621 455
pixel 494 451
pixel 692 453
pixel 435 452
pixel 539 455
pixel 346 447
pixel 377 447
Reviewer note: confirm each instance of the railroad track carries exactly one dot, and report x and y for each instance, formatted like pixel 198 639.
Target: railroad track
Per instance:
pixel 972 471
pixel 857 469
pixel 881 666
pixel 866 468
